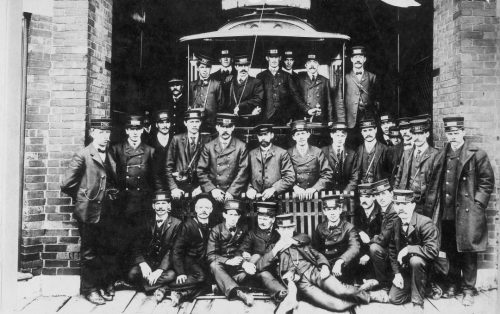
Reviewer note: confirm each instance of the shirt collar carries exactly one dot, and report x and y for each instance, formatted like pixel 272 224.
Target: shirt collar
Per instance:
pixel 132 144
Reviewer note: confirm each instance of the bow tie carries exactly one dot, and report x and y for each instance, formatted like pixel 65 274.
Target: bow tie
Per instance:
pixel 232 229
pixel 359 73
pixel 204 82
pixel 102 151
pixel 331 228
pixel 159 221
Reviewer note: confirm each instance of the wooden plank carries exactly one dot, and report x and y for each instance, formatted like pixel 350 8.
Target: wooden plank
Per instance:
pixel 77 304
pixel 307 308
pixel 263 307
pixel 45 304
pixel 225 306
pixel 135 303
pixel 165 307
pixel 483 304
pixel 148 306
pixel 448 306
pixel 118 305
pixel 186 307
pixel 202 307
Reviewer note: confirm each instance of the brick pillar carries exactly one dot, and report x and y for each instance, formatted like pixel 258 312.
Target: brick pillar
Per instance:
pixel 467 83
pixel 68 82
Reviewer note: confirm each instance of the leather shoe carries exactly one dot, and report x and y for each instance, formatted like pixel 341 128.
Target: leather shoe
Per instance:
pixel 123 285
pixel 175 298
pixel 106 296
pixel 450 292
pixel 110 289
pixel 247 298
pixel 468 299
pixel 159 294
pixel 95 298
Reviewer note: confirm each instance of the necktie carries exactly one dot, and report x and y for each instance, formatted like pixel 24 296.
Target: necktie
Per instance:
pixel 405 226
pixel 417 156
pixel 232 229
pixel 314 78
pixel 240 81
pixel 331 228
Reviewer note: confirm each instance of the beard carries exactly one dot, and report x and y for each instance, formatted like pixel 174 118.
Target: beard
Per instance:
pixel 265 143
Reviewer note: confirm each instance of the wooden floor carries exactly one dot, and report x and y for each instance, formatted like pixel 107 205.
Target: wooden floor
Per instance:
pixel 137 302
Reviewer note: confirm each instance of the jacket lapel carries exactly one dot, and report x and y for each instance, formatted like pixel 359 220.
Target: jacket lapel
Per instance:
pixel 95 156
pixel 465 155
pixel 413 224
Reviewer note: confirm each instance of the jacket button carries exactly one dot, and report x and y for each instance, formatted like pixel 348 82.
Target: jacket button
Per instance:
pixel 466 209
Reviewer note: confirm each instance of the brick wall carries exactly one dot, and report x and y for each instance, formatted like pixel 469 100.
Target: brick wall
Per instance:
pixel 68 81
pixel 467 54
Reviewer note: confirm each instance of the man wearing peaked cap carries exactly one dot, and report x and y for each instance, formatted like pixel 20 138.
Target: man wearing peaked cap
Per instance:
pixel 379 247
pixel 360 100
pixel 245 93
pixel 405 129
pixel 315 90
pixel 309 163
pixel 288 63
pixel 282 98
pixel 395 136
pixel 182 159
pixel 256 244
pixel 152 250
pixel 415 168
pixel 206 94
pixel 464 179
pixel 227 266
pixel 226 72
pixel 386 121
pixel 342 160
pixel 271 171
pixel 414 247
pixel 93 169
pixel 161 142
pixel 368 220
pixel 176 105
pixel 307 271
pixel 374 157
pixel 223 166
pixel 337 239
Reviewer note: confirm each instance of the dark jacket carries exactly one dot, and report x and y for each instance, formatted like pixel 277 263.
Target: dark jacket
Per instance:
pixel 282 264
pixel 281 96
pixel 345 179
pixel 381 165
pixel 370 225
pixel 276 171
pixel 317 93
pixel 248 95
pixel 395 153
pixel 421 238
pixel 389 219
pixel 178 159
pixel 222 245
pixel 419 182
pixel 311 170
pixel 360 99
pixel 224 169
pixel 176 110
pixel 223 77
pixel 192 242
pixel 474 184
pixel 259 241
pixel 340 243
pixel 136 175
pixel 157 252
pixel 159 159
pixel 208 98
pixel 85 180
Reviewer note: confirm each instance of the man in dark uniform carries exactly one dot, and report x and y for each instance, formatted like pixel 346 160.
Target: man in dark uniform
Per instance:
pixel 152 250
pixel 206 94
pixel 226 265
pixel 342 159
pixel 147 136
pixel 368 221
pixel 397 149
pixel 189 253
pixel 413 248
pixel 91 180
pixel 395 137
pixel 245 94
pixel 288 63
pixel 176 104
pixel 182 160
pixel 379 244
pixel 374 157
pixel 223 165
pixel 160 143
pixel 226 72
pixel 386 122
pixel 271 171
pixel 310 164
pixel 337 240
pixel 361 96
pixel 281 95
pixel 258 241
pixel 315 90
pixel 405 130
pixel 135 168
pixel 300 265
pixel 458 196
pixel 417 164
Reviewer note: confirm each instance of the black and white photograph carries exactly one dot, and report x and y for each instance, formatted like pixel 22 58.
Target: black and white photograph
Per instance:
pixel 250 156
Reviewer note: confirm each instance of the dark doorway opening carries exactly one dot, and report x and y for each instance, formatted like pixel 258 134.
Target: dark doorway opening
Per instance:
pixel 146 53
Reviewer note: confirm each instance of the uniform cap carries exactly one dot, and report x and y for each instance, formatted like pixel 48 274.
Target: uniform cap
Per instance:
pixel 368 123
pixel 234 205
pixel 404 123
pixel 272 52
pixel 394 131
pixel 193 114
pixel 333 201
pixel 358 50
pixel 226 119
pixel 299 125
pixel 338 126
pixel 285 220
pixel 162 115
pixel 453 123
pixel 420 125
pixel 161 196
pixel 242 60
pixel 365 189
pixel 402 196
pixel 381 186
pixel 101 124
pixel 263 128
pixel 266 208
pixel 134 121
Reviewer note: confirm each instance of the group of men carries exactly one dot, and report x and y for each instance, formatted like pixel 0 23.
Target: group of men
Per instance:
pixel 419 214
